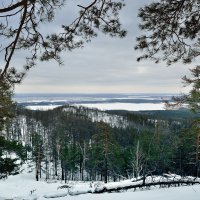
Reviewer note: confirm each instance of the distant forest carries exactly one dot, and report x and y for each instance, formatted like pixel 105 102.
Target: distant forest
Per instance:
pixel 78 143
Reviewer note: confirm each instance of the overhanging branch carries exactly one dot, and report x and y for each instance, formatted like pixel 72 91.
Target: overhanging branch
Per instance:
pixel 14 6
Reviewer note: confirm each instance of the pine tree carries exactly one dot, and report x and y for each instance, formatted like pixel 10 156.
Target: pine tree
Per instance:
pixel 9 163
pixel 37 151
pixel 192 99
pixel 103 145
pixel 6 103
pixel 171 34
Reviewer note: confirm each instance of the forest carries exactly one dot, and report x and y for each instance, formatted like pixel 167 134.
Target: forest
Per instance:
pixel 78 143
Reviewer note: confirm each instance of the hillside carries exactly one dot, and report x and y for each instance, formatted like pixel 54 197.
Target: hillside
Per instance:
pixel 24 187
pixel 84 147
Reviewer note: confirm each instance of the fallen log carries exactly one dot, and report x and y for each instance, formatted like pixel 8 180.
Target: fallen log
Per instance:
pixel 147 185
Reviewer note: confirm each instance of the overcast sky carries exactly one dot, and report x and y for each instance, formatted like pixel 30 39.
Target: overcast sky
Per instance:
pixel 106 65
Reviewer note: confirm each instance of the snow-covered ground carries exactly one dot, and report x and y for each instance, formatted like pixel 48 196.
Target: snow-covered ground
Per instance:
pixel 37 107
pixel 24 187
pixel 126 106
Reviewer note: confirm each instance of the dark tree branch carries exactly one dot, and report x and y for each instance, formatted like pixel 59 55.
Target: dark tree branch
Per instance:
pixel 99 15
pixel 13 7
pixel 15 41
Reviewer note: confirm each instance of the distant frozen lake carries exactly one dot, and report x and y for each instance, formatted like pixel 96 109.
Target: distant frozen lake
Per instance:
pixel 126 106
pixel 108 106
pixel 130 102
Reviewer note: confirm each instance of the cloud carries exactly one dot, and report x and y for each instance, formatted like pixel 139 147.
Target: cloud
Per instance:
pixel 104 65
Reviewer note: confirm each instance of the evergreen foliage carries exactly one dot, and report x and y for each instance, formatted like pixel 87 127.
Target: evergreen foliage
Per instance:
pixel 6 103
pixel 71 143
pixel 172 34
pixel 12 155
pixel 193 98
pixel 74 140
pixel 171 31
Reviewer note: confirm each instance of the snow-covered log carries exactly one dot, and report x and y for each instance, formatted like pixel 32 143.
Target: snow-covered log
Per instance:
pixel 56 195
pixel 162 181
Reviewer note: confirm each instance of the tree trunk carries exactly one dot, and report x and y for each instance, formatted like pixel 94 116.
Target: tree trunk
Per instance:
pixel 62 175
pixel 106 171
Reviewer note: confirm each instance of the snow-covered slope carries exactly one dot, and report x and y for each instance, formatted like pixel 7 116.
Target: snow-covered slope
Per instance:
pixel 24 187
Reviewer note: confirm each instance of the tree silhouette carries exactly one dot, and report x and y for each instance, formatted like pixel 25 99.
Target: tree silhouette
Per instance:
pixel 171 35
pixel 171 31
pixel 26 35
